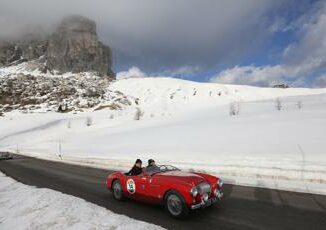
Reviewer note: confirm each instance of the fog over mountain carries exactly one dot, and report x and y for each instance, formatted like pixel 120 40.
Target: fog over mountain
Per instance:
pixel 165 34
pixel 178 38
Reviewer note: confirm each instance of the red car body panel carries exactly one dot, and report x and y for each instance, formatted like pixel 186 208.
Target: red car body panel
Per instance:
pixel 152 188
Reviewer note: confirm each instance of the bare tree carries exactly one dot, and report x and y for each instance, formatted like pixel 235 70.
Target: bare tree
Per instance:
pixel 234 108
pixel 89 121
pixel 278 104
pixel 69 124
pixel 138 114
pixel 195 92
pixel 238 108
pixel 299 104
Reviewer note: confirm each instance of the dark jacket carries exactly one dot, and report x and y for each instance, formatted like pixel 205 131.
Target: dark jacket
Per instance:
pixel 135 171
pixel 152 168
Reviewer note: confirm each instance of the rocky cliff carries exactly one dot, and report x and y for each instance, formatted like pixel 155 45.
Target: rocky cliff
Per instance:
pixel 30 47
pixel 73 47
pixel 78 92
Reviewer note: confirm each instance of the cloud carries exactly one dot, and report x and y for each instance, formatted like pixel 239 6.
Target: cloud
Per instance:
pixel 265 75
pixel 182 71
pixel 302 64
pixel 320 81
pixel 251 75
pixel 186 37
pixel 157 35
pixel 133 72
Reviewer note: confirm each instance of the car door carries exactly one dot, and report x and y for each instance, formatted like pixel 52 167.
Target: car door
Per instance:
pixel 155 189
pixel 137 186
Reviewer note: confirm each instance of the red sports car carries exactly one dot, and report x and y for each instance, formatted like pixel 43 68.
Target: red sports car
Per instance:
pixel 179 191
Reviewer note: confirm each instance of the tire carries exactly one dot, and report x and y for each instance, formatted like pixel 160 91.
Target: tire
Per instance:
pixel 175 204
pixel 117 191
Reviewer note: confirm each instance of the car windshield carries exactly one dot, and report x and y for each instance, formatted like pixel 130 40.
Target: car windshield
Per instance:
pixel 160 168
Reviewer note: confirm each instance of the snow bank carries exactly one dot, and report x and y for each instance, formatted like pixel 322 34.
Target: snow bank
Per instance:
pixel 25 207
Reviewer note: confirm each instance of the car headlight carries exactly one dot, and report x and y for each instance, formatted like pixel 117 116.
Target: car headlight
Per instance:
pixel 194 191
pixel 220 183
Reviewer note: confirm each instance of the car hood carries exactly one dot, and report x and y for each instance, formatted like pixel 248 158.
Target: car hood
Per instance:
pixel 187 177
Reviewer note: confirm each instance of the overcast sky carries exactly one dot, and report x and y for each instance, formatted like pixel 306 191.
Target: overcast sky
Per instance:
pixel 257 42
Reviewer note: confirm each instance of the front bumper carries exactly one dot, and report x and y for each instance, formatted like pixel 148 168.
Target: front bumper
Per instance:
pixel 209 202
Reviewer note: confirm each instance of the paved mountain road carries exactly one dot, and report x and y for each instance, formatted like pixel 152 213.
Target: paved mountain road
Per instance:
pixel 242 207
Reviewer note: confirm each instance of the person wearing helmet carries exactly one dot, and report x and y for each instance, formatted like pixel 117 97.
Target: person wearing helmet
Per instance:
pixel 136 169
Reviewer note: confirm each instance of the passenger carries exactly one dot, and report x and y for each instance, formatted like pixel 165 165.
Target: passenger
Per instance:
pixel 151 167
pixel 136 169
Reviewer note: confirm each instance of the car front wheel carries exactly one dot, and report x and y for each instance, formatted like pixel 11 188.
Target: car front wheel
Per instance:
pixel 117 190
pixel 176 205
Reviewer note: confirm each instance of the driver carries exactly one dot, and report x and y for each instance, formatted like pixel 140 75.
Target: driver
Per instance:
pixel 136 169
pixel 151 166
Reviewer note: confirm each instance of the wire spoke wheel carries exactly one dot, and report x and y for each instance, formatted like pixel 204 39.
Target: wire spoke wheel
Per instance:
pixel 117 190
pixel 174 205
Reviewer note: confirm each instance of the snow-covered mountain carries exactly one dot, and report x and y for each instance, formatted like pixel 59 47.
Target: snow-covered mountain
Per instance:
pixel 72 47
pixel 24 87
pixel 273 138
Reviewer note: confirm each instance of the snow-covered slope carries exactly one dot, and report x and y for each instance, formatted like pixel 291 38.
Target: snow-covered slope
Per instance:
pixel 25 207
pixel 188 124
pixel 176 94
pixel 33 68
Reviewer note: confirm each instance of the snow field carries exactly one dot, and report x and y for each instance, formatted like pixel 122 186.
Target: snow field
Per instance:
pixel 188 124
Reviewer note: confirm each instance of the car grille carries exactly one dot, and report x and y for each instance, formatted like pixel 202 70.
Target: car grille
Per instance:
pixel 204 188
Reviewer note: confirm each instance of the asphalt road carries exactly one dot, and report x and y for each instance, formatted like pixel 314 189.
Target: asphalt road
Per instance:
pixel 242 207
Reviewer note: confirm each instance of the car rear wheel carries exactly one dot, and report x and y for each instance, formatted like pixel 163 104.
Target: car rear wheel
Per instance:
pixel 117 190
pixel 176 205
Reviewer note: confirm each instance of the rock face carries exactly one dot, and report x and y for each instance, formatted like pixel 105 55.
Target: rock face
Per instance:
pixel 26 49
pixel 27 93
pixel 75 47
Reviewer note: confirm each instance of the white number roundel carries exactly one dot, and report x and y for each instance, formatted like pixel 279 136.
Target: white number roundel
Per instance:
pixel 131 186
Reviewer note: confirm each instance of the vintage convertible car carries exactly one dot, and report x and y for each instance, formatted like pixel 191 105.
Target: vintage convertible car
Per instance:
pixel 179 191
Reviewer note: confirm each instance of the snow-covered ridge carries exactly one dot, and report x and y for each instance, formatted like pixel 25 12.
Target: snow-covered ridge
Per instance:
pixel 33 68
pixel 26 207
pixel 152 94
pixel 174 94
